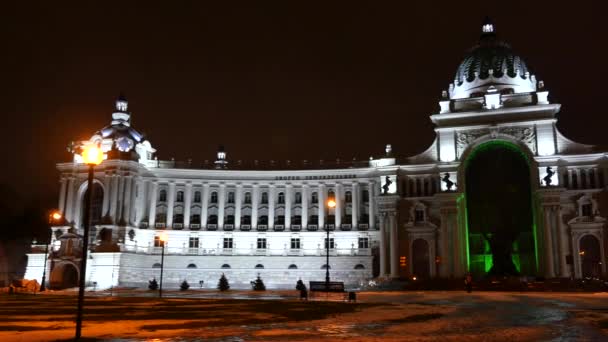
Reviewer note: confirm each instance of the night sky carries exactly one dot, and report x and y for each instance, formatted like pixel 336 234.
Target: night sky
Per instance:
pixel 270 80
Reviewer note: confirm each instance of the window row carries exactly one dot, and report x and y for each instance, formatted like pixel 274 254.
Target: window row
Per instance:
pixel 262 219
pixel 262 243
pixel 179 198
pixel 260 266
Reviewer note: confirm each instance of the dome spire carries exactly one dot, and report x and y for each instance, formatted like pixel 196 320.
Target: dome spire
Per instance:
pixel 487 26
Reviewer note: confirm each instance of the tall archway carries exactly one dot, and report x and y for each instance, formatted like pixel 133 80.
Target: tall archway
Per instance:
pixel 63 276
pixel 96 204
pixel 420 256
pixel 590 254
pixel 500 216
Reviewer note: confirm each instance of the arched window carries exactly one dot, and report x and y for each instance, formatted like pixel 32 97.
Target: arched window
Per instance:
pixel 162 196
pixel 293 267
pixel 348 197
pixel 315 197
pixel 225 266
pixel 248 198
pixel 264 198
pixel 191 266
pixel 281 198
pixel 324 267
pixel 180 197
pixel 298 197
pixel 231 197
pixel 331 194
pixel 157 265
pixel 214 197
pixel 197 197
pixel 259 266
pixel 96 204
pixel 359 267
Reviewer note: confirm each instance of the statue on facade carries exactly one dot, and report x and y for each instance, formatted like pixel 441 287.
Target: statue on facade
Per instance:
pixel 549 175
pixel 448 183
pixel 387 184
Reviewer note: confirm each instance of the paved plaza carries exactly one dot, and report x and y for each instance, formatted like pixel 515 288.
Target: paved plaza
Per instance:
pixel 280 316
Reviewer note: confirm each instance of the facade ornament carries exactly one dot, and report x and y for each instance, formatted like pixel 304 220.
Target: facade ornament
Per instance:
pixel 386 186
pixel 464 139
pixel 549 175
pixel 527 135
pixel 448 183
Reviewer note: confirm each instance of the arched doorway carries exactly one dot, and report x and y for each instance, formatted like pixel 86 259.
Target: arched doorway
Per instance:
pixel 63 276
pixel 420 259
pixel 499 210
pixel 96 204
pixel 590 255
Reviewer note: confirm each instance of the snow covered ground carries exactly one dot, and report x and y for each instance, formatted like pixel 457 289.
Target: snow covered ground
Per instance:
pixel 279 316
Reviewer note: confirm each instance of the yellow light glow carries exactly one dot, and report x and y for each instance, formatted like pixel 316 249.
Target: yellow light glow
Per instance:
pixel 92 155
pixel 331 203
pixel 413 278
pixel 163 237
pixel 56 216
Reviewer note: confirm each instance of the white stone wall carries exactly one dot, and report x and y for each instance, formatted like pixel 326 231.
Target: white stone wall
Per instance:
pixel 128 269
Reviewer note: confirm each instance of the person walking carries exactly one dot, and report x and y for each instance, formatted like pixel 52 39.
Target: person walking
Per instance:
pixel 468 282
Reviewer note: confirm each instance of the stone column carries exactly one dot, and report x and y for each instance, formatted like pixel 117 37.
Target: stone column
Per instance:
pixel 371 201
pixel 120 197
pixel 187 204
pixel 255 202
pixel 114 197
pixel 237 205
pixel 105 209
pixel 221 199
pixel 570 179
pixel 550 271
pixel 127 199
pixel 69 207
pixel 271 204
pixel 153 199
pixel 564 245
pixel 321 198
pixel 338 209
pixel 141 198
pixel 288 195
pixel 355 205
pixel 170 204
pixel 62 189
pixel 392 223
pixel 383 247
pixel 205 205
pixel 305 200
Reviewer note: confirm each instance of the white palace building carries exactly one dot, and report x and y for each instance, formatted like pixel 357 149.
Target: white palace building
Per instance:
pixel 500 191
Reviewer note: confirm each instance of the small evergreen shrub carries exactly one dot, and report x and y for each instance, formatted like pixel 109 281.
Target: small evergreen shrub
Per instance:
pixel 300 285
pixel 184 286
pixel 153 284
pixel 223 284
pixel 258 284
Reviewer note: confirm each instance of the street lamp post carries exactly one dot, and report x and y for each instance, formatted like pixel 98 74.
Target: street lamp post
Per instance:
pixel 331 203
pixel 92 155
pixel 163 240
pixel 55 216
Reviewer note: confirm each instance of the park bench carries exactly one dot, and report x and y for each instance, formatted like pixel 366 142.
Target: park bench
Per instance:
pixel 335 287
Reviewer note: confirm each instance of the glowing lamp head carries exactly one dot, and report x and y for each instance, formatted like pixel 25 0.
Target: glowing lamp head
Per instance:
pixel 163 237
pixel 92 155
pixel 56 216
pixel 331 203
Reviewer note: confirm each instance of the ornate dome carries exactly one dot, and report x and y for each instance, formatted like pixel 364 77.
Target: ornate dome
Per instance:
pixel 491 62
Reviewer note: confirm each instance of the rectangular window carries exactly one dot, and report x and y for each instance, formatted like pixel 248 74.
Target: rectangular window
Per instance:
pixel 157 241
pixel 227 242
pixel 363 242
pixel 331 243
pixel 295 243
pixel 193 242
pixel 262 243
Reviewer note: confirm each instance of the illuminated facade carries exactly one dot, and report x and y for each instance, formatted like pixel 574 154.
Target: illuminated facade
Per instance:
pixel 442 213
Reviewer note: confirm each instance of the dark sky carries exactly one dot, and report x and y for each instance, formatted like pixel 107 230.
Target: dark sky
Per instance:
pixel 270 80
